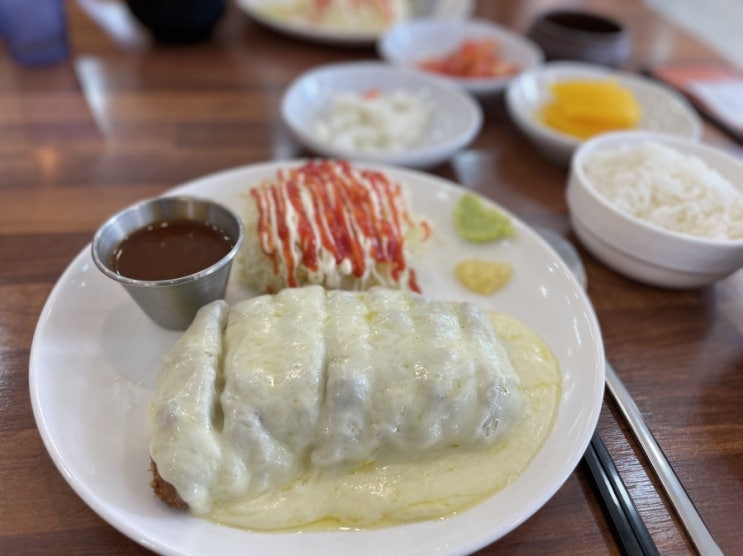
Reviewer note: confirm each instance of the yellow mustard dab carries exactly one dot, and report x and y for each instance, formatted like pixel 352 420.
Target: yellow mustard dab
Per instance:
pixel 584 107
pixel 483 277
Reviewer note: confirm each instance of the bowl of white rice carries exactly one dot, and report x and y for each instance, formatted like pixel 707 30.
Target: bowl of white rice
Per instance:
pixel 659 209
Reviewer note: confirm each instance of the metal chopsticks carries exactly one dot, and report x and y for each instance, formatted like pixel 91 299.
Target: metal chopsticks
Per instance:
pixel 629 529
pixel 682 504
pixel 680 500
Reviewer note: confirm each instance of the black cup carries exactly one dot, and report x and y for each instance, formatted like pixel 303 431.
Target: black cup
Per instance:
pixel 178 21
pixel 580 35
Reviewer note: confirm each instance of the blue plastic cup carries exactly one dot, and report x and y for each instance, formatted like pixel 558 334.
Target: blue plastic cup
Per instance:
pixel 35 31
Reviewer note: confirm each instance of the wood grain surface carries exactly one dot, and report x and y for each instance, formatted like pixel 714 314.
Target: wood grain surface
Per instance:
pixel 123 119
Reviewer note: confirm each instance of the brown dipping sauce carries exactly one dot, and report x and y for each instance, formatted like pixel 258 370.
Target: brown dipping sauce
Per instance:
pixel 170 249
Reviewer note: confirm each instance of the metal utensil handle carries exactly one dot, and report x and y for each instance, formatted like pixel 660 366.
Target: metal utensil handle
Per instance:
pixel 680 500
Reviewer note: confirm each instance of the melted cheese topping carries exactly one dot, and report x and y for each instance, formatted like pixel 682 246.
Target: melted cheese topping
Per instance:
pixel 402 409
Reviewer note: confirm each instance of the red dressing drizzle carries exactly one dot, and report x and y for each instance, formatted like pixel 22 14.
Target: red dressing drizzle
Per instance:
pixel 331 207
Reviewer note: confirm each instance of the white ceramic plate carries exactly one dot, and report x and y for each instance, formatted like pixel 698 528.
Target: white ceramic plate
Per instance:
pixel 410 43
pixel 455 118
pixel 264 11
pixel 663 109
pixel 94 358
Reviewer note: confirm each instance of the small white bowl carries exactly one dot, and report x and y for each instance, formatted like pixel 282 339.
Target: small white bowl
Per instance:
pixel 638 249
pixel 411 43
pixel 663 109
pixel 455 118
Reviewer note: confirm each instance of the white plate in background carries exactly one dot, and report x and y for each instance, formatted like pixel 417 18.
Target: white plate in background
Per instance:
pixel 264 12
pixel 95 355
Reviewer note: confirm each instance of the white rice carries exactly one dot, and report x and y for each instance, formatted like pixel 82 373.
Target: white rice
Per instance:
pixel 669 189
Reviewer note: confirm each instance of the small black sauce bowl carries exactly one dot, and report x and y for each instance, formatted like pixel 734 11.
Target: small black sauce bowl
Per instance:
pixel 178 21
pixel 172 303
pixel 581 35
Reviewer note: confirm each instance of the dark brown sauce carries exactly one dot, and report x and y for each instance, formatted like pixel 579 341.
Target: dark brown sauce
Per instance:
pixel 170 249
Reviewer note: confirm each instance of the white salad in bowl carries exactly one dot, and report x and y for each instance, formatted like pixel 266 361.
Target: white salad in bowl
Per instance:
pixel 374 112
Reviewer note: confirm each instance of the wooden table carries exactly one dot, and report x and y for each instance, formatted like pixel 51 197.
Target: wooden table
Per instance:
pixel 123 119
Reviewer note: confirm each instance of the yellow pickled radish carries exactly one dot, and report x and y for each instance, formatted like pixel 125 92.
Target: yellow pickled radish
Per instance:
pixel 585 107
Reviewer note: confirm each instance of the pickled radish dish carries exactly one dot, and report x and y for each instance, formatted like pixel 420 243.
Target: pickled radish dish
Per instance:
pixel 375 120
pixel 586 107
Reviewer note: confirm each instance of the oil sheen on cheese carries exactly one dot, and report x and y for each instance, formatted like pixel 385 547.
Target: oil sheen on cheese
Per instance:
pixel 324 432
pixel 436 487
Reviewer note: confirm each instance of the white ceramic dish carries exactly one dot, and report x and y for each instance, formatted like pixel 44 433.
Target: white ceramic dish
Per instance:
pixel 454 122
pixel 638 249
pixel 95 355
pixel 263 11
pixel 663 109
pixel 410 43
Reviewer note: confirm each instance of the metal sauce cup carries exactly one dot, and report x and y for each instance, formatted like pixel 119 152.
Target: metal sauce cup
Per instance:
pixel 171 303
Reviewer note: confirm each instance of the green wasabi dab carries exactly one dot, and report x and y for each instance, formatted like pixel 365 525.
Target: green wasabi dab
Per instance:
pixel 478 222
